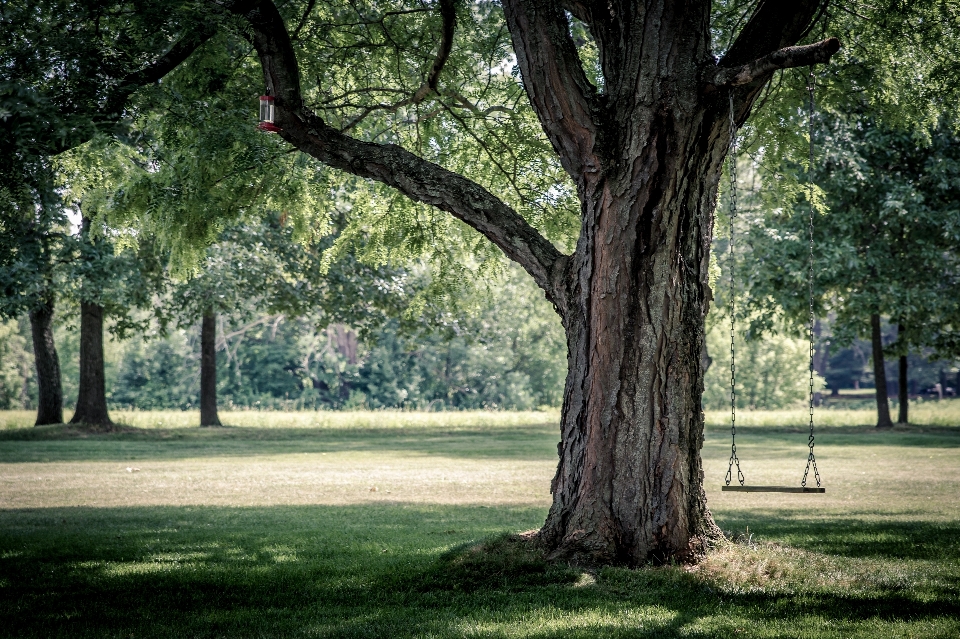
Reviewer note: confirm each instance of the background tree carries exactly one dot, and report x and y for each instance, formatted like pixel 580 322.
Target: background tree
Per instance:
pixel 259 273
pixel 887 247
pixel 32 231
pixel 105 282
pixel 69 69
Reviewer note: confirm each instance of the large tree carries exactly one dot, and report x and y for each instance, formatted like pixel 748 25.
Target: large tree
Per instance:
pixel 644 144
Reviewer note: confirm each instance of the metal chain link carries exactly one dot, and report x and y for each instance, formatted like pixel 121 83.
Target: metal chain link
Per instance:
pixel 811 459
pixel 733 296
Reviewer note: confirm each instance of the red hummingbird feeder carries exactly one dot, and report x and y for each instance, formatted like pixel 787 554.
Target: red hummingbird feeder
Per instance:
pixel 266 115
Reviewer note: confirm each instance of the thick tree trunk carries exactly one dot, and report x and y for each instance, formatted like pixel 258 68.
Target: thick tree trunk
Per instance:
pixel 903 383
pixel 629 486
pixel 880 374
pixel 208 370
pixel 92 394
pixel 50 402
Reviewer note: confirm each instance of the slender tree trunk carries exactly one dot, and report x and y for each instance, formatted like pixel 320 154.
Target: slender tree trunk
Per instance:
pixel 208 370
pixel 50 401
pixel 880 374
pixel 92 394
pixel 904 386
pixel 904 390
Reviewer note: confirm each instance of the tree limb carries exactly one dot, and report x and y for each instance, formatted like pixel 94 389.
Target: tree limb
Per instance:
pixel 449 14
pixel 163 65
pixel 786 58
pixel 389 164
pixel 561 94
pixel 774 25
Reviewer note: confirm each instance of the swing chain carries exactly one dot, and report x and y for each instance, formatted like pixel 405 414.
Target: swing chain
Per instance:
pixel 734 460
pixel 811 459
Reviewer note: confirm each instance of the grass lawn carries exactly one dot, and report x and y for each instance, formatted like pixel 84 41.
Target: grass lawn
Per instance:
pixel 368 525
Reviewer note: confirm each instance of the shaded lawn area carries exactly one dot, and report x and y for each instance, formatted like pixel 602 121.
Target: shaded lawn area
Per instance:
pixel 93 550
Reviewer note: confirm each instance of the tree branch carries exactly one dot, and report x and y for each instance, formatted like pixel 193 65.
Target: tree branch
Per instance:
pixel 561 94
pixel 786 58
pixel 166 63
pixel 448 13
pixel 773 25
pixel 389 164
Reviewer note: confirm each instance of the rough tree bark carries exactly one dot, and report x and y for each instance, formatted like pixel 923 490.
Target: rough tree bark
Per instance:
pixel 92 393
pixel 208 370
pixel 903 389
pixel 645 153
pixel 50 401
pixel 880 374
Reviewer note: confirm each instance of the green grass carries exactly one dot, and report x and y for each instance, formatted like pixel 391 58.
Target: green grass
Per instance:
pixel 368 525
pixel 13 419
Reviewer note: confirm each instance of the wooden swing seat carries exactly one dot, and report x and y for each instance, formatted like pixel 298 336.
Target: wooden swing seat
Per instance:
pixel 772 489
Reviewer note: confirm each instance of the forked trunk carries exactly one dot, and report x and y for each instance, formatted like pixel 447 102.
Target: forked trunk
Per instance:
pixel 629 487
pixel 50 400
pixel 208 370
pixel 92 393
pixel 880 374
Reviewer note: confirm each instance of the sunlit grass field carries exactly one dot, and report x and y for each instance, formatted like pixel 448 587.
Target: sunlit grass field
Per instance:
pixel 367 525
pixel 926 413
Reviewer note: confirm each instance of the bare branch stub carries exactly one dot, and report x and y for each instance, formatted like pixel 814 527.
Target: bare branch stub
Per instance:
pixel 786 58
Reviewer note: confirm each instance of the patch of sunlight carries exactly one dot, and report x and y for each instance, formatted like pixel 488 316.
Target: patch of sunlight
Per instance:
pixel 554 621
pixel 281 554
pixel 181 557
pixel 11 554
pixel 929 413
pixel 337 419
pixel 585 579
pixel 134 568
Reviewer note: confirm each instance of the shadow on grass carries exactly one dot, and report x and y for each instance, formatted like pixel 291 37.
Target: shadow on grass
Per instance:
pixel 851 536
pixel 913 435
pixel 406 571
pixel 68 443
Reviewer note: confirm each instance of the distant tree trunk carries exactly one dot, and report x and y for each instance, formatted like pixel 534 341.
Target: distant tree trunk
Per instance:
pixel 208 370
pixel 50 401
pixel 880 374
pixel 904 388
pixel 92 394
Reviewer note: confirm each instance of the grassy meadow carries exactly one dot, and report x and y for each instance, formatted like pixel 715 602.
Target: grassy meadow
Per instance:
pixel 393 524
